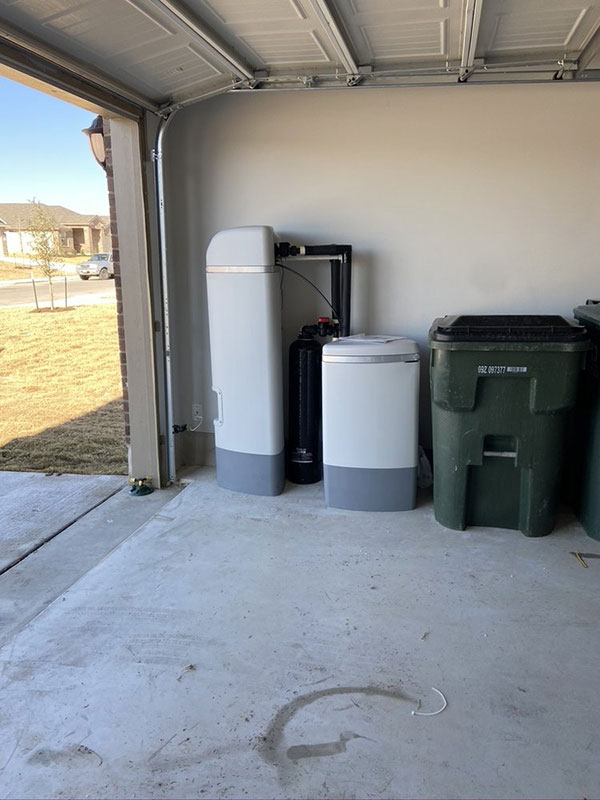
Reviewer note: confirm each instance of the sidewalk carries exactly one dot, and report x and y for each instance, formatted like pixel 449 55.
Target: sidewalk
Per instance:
pixel 56 278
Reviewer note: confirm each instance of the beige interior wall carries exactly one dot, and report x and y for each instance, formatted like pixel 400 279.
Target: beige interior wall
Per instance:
pixel 456 199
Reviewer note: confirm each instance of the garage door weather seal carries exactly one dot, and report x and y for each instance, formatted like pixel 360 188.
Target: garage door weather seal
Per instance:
pixel 157 157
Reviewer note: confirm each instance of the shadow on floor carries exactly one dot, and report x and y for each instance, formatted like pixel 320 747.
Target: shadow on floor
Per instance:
pixel 92 444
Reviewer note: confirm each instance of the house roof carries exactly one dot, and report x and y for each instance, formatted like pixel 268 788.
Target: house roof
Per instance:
pixel 18 216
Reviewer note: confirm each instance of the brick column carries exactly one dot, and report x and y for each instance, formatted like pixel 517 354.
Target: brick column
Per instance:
pixel 114 234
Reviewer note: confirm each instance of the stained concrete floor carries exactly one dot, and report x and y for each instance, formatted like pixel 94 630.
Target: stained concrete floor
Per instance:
pixel 268 647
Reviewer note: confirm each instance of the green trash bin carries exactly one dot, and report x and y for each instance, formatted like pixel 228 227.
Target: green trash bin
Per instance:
pixel 501 391
pixel 587 488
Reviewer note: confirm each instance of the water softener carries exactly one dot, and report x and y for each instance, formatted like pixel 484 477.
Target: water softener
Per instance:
pixel 243 268
pixel 244 310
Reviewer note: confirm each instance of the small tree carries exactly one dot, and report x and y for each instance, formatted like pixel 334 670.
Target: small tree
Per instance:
pixel 44 246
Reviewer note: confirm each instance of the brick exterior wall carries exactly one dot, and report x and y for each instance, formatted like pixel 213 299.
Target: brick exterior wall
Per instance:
pixel 115 249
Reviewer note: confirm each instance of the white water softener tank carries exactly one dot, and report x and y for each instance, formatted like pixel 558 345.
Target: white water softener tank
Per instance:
pixel 370 423
pixel 244 312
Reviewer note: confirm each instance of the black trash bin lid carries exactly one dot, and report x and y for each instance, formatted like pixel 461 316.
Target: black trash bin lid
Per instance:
pixel 507 328
pixel 589 313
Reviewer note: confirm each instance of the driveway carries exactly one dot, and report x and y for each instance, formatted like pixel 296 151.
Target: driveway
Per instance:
pixel 79 293
pixel 53 502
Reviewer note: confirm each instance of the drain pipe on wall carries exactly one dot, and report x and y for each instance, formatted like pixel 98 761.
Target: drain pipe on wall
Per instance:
pixel 157 157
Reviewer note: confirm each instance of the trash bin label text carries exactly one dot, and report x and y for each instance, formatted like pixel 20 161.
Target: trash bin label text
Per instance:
pixel 496 369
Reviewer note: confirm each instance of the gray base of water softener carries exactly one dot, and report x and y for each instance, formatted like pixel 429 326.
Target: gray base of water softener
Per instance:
pixel 360 489
pixel 250 473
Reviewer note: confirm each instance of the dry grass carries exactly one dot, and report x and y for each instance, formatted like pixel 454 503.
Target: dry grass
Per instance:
pixel 60 397
pixel 17 272
pixel 66 259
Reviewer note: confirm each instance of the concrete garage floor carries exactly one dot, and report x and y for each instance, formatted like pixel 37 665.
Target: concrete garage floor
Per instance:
pixel 268 647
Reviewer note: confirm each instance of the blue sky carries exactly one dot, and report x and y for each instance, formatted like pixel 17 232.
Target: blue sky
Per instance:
pixel 55 166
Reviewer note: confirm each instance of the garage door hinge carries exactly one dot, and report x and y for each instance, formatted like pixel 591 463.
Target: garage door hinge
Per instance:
pixel 157 326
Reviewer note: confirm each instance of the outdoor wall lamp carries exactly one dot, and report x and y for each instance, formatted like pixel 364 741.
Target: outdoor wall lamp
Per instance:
pixel 95 134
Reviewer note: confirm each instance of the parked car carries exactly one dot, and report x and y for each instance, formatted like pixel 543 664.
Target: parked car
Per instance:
pixel 100 264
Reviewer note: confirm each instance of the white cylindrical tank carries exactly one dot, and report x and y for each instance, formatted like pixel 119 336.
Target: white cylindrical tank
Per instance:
pixel 244 313
pixel 370 423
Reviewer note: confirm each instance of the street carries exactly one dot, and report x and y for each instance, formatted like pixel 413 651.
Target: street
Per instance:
pixel 79 292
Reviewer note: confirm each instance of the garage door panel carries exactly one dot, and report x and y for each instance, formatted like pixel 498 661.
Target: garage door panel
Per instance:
pixel 533 26
pixel 151 48
pixel 385 31
pixel 118 33
pixel 269 33
pixel 405 40
pixel 276 48
pixel 387 6
pixel 127 39
pixel 234 12
pixel 173 70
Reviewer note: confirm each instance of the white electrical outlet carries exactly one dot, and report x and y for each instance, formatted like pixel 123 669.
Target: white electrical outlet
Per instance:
pixel 197 412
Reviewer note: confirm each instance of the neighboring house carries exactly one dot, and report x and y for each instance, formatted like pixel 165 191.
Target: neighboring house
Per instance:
pixel 75 233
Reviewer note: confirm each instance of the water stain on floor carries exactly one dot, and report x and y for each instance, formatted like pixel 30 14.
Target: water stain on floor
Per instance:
pixel 271 743
pixel 298 751
pixel 46 757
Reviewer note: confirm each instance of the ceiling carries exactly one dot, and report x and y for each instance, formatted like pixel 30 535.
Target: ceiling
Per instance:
pixel 158 53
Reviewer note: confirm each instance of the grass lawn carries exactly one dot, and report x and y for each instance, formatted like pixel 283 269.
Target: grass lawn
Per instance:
pixel 16 272
pixel 60 391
